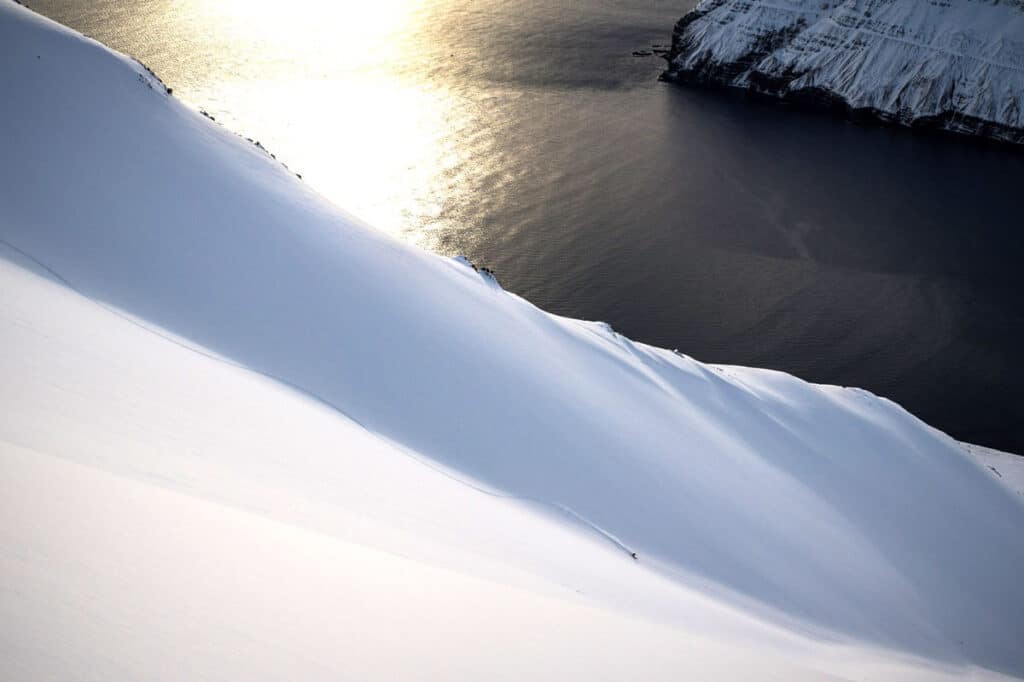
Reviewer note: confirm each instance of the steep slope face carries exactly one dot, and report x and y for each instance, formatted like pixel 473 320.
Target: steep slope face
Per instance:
pixel 1009 469
pixel 827 509
pixel 158 500
pixel 956 65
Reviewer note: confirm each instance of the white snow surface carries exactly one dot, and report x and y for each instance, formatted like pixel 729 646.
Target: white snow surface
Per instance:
pixel 905 59
pixel 1006 467
pixel 245 436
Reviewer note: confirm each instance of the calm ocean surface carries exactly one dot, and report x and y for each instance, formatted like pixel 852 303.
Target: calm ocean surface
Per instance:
pixel 524 134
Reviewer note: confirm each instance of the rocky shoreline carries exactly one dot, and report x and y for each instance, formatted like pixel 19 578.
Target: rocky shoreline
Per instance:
pixel 886 61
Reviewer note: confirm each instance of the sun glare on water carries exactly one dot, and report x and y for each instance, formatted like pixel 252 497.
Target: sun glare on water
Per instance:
pixel 348 33
pixel 280 71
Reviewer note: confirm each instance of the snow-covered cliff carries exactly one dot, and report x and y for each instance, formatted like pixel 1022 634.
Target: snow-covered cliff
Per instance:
pixel 956 65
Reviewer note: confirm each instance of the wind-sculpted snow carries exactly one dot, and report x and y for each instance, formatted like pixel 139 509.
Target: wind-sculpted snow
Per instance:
pixel 332 367
pixel 957 65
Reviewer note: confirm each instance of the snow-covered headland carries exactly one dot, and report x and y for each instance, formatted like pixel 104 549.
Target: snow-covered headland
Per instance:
pixel 245 436
pixel 954 65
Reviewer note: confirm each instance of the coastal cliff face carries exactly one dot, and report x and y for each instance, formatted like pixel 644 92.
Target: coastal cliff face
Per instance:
pixel 956 65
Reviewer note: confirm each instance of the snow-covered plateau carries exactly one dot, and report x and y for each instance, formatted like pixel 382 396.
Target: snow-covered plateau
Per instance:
pixel 245 436
pixel 953 65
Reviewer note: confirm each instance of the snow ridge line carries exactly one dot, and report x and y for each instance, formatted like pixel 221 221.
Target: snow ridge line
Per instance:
pixel 177 341
pixel 326 403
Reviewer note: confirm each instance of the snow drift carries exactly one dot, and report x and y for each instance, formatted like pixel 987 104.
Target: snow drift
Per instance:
pixel 955 65
pixel 181 313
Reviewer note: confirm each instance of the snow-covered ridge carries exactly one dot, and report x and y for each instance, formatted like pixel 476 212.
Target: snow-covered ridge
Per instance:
pixel 955 65
pixel 238 423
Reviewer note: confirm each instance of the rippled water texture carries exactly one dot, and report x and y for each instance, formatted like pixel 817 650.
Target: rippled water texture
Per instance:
pixel 525 135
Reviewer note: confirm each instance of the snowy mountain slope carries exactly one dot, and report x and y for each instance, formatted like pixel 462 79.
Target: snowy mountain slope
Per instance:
pixel 1006 467
pixel 174 486
pixel 194 590
pixel 957 65
pixel 825 510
